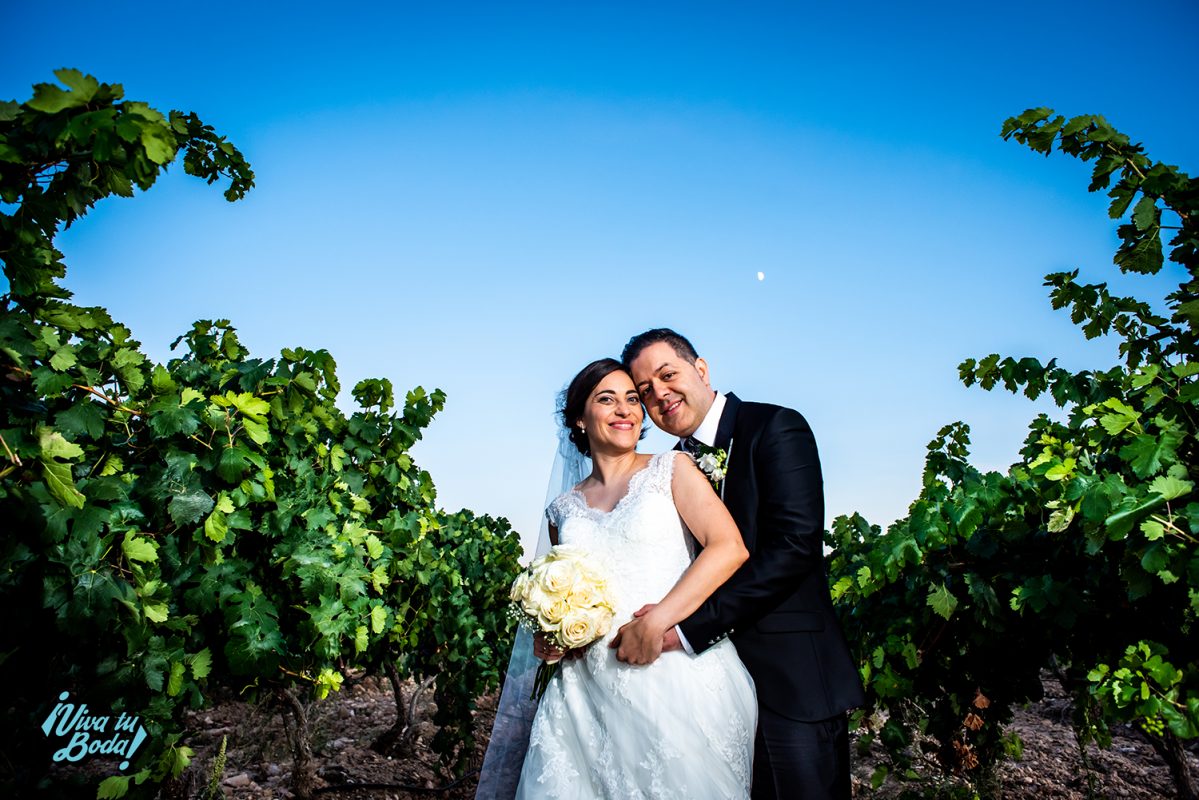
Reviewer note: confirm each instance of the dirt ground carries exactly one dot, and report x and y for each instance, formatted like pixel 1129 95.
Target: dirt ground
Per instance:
pixel 258 762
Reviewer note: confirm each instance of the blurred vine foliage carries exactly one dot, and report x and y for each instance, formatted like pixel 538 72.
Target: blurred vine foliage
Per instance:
pixel 1084 556
pixel 215 522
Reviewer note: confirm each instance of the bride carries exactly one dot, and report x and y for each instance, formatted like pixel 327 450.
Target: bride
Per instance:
pixel 681 726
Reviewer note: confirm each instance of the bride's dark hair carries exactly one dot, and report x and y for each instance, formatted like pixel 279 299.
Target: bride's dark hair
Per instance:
pixel 574 399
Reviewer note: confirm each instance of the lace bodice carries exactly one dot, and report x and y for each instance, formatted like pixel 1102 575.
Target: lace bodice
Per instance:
pixel 641 544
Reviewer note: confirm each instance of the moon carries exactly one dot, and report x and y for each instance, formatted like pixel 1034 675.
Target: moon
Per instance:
pixel 761 276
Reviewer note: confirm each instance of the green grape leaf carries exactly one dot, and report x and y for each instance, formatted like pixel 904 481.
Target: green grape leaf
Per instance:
pixel 1171 488
pixel 966 515
pixel 234 464
pixel 175 680
pixel 113 787
pixel 257 431
pixel 112 466
pixel 1122 416
pixel 255 641
pixel 1155 557
pixel 51 99
pixel 1060 519
pixel 1144 215
pixel 253 407
pixel 138 548
pixel 159 143
pixel 942 601
pixel 1096 504
pixel 83 86
pixel 83 418
pixel 1153 529
pixel 327 680
pixel 161 380
pixel 201 664
pixel 374 547
pixel 1142 255
pixel 216 527
pixel 1146 453
pixel 53 445
pixel 127 357
pixel 60 483
pixel 1062 471
pixel 985 597
pixel 189 506
pixel 864 575
pixel 177 759
pixel 154 667
pixel 1186 369
pixel 63 359
pixel 168 417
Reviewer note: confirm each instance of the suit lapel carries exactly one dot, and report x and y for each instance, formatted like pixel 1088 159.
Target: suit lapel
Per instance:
pixel 724 433
pixel 728 419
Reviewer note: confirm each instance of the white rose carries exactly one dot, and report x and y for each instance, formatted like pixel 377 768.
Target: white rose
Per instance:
pixel 559 553
pixel 584 595
pixel 718 474
pixel 519 587
pixel 578 629
pixel 552 612
pixel 603 620
pixel 533 599
pixel 707 462
pixel 558 577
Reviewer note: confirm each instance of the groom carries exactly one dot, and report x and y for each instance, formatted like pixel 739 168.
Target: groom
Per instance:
pixel 776 608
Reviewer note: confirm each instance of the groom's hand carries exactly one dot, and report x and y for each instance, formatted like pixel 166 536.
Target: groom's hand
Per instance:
pixel 670 639
pixel 637 642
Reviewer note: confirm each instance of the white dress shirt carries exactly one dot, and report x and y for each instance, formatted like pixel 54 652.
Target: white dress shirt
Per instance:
pixel 706 432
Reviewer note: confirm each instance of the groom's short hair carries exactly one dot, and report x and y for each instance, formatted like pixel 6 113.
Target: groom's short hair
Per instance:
pixel 677 342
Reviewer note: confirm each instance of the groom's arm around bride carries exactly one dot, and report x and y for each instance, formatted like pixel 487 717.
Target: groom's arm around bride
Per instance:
pixel 776 608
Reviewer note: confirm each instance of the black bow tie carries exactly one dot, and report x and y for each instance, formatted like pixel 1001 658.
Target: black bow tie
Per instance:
pixel 692 445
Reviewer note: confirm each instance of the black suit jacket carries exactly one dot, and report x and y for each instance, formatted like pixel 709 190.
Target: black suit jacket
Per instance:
pixel 776 607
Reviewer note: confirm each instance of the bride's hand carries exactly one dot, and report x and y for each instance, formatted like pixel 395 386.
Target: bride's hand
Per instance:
pixel 546 650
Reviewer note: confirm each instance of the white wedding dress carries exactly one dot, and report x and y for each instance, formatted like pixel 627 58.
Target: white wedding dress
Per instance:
pixel 682 727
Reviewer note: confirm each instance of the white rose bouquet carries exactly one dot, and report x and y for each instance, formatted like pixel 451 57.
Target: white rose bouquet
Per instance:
pixel 563 595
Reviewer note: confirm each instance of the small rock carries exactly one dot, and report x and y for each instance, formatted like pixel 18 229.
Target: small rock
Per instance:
pixel 238 780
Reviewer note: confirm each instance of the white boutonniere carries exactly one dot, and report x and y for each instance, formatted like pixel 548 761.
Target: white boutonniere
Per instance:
pixel 712 461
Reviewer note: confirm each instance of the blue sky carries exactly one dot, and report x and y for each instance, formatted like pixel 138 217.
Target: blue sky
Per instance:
pixel 484 197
